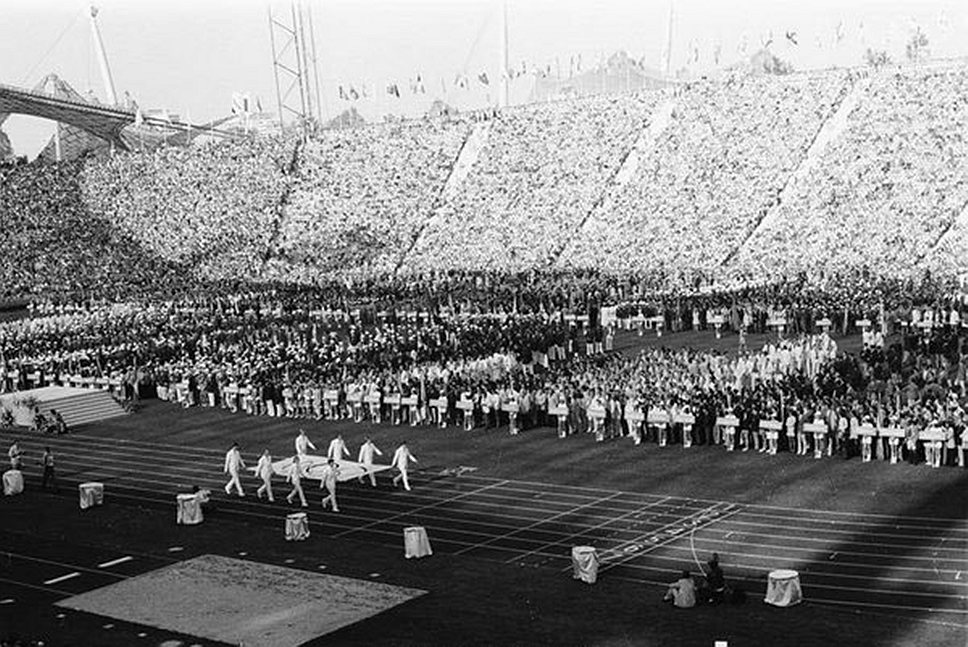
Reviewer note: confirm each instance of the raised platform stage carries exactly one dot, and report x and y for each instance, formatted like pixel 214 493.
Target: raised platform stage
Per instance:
pixel 77 406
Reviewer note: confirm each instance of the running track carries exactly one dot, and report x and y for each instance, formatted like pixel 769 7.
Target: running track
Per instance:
pixel 876 563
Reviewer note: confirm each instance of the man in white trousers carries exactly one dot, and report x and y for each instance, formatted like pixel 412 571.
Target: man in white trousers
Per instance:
pixel 367 452
pixel 233 463
pixel 401 461
pixel 328 481
pixel 303 444
pixel 337 449
pixel 295 478
pixel 264 471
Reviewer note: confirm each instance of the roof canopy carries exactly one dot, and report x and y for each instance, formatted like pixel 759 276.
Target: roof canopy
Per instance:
pixel 101 121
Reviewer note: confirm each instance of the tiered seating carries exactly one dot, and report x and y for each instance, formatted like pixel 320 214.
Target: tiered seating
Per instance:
pixel 539 175
pixel 715 171
pixel 216 204
pixel 360 196
pixel 885 190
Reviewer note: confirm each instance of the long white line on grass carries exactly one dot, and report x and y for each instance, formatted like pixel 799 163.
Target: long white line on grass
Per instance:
pixel 63 577
pixel 36 587
pixel 52 562
pixel 115 562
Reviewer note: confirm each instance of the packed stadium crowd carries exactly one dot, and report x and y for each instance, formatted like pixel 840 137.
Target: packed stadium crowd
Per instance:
pixel 492 261
pixel 715 170
pixel 291 352
pixel 727 181
pixel 891 184
pixel 540 173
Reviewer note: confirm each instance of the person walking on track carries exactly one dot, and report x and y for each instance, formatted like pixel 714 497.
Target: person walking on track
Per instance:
pixel 401 461
pixel 337 449
pixel 367 451
pixel 329 478
pixel 303 443
pixel 264 471
pixel 295 478
pixel 233 463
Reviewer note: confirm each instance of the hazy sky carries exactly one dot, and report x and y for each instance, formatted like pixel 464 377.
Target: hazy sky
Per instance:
pixel 189 56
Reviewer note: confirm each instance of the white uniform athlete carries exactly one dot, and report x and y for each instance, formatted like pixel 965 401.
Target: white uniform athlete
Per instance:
pixel 233 463
pixel 367 451
pixel 303 443
pixel 295 478
pixel 264 471
pixel 328 481
pixel 401 461
pixel 337 449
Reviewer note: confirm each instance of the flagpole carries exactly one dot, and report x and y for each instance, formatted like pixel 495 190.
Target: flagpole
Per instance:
pixel 668 52
pixel 503 94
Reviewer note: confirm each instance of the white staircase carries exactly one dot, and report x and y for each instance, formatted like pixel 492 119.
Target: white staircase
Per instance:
pixel 77 406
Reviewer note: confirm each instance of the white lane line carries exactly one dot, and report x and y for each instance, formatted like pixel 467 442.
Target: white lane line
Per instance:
pixel 115 562
pixel 63 577
pixel 536 524
pixel 422 508
pixel 563 540
pixel 192 453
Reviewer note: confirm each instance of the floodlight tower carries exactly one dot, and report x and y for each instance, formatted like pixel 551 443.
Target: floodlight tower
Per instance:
pixel 294 64
pixel 102 59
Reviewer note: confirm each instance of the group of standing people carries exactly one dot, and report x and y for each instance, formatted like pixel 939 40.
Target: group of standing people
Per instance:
pixel 49 478
pixel 329 475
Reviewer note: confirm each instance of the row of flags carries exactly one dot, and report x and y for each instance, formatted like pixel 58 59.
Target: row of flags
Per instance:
pixel 791 39
pixel 461 81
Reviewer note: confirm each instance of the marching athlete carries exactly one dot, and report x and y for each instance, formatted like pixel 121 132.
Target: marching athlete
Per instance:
pixel 234 462
pixel 303 443
pixel 401 461
pixel 367 451
pixel 330 475
pixel 264 471
pixel 337 449
pixel 295 478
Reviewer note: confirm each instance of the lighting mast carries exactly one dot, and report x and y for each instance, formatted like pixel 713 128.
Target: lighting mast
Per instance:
pixel 103 59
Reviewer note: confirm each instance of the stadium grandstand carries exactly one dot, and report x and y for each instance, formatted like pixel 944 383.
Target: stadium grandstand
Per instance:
pixel 711 325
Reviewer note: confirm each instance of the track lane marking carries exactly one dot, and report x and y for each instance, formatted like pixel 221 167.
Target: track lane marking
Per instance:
pixel 62 578
pixel 115 562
